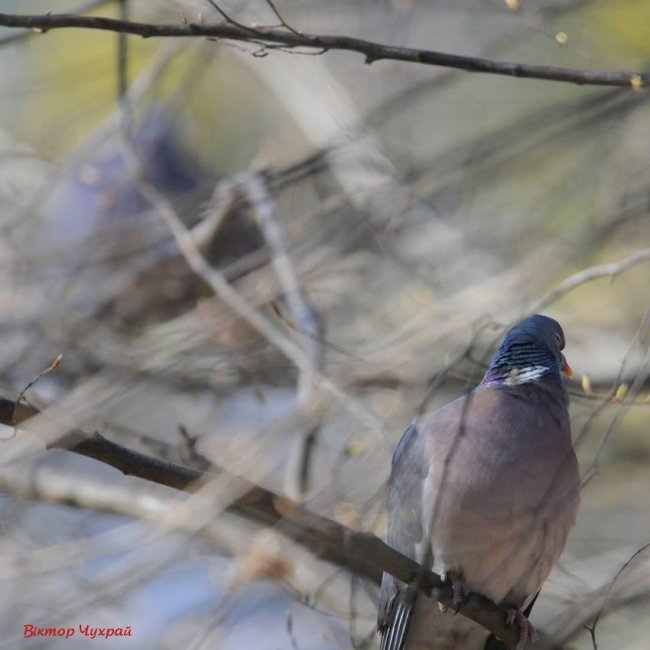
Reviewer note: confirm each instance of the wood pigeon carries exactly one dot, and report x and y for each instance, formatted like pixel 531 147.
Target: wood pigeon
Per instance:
pixel 484 492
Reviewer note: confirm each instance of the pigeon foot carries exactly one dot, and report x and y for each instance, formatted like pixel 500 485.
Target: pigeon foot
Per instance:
pixel 459 589
pixel 526 630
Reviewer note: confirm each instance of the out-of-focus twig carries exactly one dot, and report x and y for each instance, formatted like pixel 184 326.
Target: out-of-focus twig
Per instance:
pixel 592 628
pixel 55 485
pixel 607 399
pixel 46 371
pixel 224 198
pixel 306 321
pixel 626 588
pixel 123 54
pixel 610 270
pixel 627 399
pixel 224 290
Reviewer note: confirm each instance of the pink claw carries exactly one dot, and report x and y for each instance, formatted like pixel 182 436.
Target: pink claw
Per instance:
pixel 526 630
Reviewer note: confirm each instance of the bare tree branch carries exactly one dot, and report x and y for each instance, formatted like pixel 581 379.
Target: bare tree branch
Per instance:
pixel 362 553
pixel 373 51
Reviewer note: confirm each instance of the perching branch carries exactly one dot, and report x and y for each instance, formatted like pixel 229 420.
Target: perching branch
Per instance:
pixel 273 38
pixel 361 553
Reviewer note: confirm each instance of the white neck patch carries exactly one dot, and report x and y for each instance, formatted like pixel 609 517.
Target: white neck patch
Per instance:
pixel 525 375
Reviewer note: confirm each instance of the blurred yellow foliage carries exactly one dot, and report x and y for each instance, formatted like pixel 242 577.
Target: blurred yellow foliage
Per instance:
pixel 625 25
pixel 75 76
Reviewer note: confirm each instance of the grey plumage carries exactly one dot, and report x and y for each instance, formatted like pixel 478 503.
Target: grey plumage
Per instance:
pixel 484 489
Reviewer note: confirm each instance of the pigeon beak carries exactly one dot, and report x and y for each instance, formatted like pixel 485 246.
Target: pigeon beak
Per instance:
pixel 566 368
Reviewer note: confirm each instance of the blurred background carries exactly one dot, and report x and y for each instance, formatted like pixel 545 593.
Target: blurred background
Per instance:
pixel 387 222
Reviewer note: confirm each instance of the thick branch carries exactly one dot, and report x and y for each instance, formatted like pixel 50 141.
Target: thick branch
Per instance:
pixel 274 38
pixel 362 553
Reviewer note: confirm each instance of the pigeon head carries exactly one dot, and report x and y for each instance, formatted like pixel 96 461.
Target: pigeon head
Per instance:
pixel 530 351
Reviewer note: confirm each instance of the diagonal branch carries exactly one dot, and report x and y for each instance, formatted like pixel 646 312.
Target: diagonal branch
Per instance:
pixel 372 51
pixel 361 553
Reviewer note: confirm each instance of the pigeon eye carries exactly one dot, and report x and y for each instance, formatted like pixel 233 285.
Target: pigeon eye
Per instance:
pixel 558 340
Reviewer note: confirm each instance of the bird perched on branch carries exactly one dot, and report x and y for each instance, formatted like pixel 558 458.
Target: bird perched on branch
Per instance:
pixel 484 491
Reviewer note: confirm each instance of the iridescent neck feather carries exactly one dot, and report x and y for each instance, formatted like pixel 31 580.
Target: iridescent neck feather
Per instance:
pixel 520 363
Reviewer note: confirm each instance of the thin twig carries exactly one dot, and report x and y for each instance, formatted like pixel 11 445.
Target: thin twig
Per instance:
pixel 628 399
pixel 229 19
pixel 51 368
pixel 224 199
pixel 615 384
pixel 592 627
pixel 222 288
pixel 592 273
pixel 307 323
pixel 283 22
